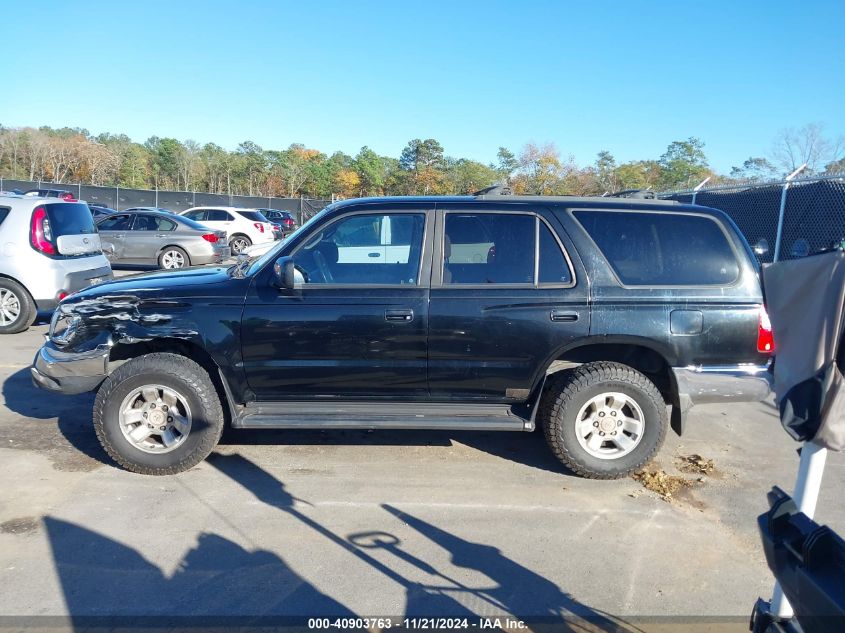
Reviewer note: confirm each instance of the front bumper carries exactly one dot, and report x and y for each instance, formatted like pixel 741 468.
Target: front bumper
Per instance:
pixel 723 383
pixel 68 372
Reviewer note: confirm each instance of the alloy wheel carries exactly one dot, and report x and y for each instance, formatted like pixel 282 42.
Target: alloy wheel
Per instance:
pixel 10 307
pixel 172 259
pixel 155 418
pixel 610 425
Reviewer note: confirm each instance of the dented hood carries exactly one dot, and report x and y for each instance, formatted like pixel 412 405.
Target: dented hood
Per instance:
pixel 192 279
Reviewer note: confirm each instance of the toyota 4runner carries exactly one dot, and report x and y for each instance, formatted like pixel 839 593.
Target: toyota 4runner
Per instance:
pixel 592 317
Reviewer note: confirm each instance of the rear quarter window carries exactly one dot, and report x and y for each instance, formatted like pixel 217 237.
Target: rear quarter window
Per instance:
pixel 662 249
pixel 4 212
pixel 253 216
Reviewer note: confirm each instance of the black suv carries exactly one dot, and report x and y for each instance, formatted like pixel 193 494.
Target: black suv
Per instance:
pixel 589 316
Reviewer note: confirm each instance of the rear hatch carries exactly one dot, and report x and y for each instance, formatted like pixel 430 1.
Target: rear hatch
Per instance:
pixel 64 229
pixel 258 220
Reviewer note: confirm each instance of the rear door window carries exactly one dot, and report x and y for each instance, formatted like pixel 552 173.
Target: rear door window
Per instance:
pixel 662 249
pixel 489 248
pixel 553 267
pixel 218 215
pixel 147 222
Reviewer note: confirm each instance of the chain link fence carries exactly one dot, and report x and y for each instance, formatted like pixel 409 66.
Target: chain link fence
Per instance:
pixel 119 198
pixel 782 219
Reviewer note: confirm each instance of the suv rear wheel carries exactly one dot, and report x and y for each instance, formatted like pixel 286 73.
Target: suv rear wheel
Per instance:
pixel 604 420
pixel 17 310
pixel 158 414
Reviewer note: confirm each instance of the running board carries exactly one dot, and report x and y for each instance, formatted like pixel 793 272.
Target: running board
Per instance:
pixel 380 415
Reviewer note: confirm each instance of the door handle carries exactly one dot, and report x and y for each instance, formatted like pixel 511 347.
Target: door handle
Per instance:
pixel 161 235
pixel 405 315
pixel 120 235
pixel 373 254
pixel 560 315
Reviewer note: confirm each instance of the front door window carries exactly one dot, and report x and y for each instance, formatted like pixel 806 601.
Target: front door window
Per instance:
pixel 366 249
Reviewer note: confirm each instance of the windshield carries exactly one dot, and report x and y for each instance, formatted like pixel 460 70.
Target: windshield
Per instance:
pixel 253 216
pixel 270 255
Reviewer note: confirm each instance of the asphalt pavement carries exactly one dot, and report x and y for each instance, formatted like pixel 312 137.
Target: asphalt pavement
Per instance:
pixel 314 523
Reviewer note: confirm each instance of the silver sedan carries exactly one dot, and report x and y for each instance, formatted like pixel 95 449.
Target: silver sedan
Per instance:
pixel 160 238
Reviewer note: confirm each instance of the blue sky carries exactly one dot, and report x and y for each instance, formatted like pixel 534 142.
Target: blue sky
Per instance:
pixel 629 77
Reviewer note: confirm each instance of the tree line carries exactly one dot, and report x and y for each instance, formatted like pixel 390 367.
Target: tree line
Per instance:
pixel 73 155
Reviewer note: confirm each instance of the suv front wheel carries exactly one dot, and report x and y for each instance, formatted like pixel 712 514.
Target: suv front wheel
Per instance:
pixel 604 420
pixel 158 414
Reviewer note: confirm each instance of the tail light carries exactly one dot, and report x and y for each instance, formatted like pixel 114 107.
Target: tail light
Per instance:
pixel 765 337
pixel 62 294
pixel 288 222
pixel 277 227
pixel 68 197
pixel 40 234
pixel 259 226
pixel 210 237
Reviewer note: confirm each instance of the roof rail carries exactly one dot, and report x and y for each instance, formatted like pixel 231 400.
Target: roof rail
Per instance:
pixel 498 189
pixel 643 194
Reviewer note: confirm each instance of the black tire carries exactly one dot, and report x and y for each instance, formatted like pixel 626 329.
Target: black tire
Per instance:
pixel 242 239
pixel 181 375
pixel 572 390
pixel 20 301
pixel 176 250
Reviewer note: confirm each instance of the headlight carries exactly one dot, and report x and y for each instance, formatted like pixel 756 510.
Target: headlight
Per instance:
pixel 63 327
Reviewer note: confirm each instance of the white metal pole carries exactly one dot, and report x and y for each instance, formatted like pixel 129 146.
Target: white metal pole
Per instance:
pixel 805 495
pixel 782 209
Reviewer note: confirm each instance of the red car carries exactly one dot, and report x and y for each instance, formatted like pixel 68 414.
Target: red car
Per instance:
pixel 65 195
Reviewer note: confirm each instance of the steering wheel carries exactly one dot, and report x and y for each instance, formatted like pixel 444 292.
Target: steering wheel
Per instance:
pixel 323 265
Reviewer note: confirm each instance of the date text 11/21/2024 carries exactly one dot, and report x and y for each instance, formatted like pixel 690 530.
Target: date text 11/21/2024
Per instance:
pixel 420 623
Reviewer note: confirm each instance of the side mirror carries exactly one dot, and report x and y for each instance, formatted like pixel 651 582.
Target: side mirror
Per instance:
pixel 284 273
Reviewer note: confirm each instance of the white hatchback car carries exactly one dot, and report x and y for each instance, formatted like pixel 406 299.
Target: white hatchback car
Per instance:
pixel 244 227
pixel 49 249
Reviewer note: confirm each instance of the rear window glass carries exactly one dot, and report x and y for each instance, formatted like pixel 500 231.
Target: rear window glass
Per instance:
pixel 253 216
pixel 662 249
pixel 4 211
pixel 69 219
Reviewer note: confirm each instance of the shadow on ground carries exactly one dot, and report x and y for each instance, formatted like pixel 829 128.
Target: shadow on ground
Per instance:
pixel 103 577
pixel 56 426
pixel 73 445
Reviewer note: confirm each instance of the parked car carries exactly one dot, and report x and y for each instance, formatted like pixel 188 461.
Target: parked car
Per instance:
pixel 589 316
pixel 243 227
pixel 99 210
pixel 49 250
pixel 284 219
pixel 158 209
pixel 163 239
pixel 51 193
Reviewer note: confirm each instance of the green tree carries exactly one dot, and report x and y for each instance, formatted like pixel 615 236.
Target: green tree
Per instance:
pixel 165 160
pixel 683 164
pixel 467 176
pixel 371 172
pixel 754 169
pixel 425 163
pixel 605 172
pixel 506 164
